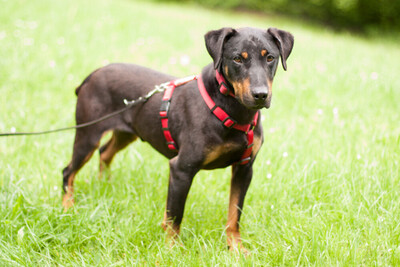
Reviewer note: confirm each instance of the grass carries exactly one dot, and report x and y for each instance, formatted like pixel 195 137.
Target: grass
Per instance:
pixel 326 182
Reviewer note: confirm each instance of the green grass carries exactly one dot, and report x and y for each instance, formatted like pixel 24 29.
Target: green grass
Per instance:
pixel 326 182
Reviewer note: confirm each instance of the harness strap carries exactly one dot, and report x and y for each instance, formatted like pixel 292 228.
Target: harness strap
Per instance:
pixel 223 87
pixel 226 120
pixel 246 157
pixel 219 112
pixel 166 101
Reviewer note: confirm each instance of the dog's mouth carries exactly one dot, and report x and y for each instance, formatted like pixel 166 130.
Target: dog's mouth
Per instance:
pixel 261 106
pixel 250 103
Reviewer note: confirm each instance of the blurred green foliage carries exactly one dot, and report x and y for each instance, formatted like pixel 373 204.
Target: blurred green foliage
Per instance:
pixel 353 14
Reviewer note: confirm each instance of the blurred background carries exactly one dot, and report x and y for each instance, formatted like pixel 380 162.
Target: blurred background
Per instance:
pixel 361 15
pixel 325 188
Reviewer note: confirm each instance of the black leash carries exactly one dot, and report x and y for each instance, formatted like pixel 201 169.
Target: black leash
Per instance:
pixel 129 104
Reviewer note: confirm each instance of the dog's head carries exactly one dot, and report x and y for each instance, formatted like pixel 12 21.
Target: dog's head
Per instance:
pixel 248 59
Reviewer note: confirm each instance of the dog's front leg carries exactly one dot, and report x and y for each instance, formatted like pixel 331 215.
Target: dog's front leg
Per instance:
pixel 241 178
pixel 180 179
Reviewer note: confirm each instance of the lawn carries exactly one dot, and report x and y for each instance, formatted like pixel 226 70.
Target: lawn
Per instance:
pixel 326 183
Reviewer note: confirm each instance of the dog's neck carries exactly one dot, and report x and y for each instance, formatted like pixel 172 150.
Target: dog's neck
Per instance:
pixel 230 104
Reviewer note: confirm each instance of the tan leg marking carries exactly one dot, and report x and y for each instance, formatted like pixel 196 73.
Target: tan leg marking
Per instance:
pixel 107 156
pixel 115 144
pixel 109 153
pixel 171 229
pixel 232 226
pixel 68 198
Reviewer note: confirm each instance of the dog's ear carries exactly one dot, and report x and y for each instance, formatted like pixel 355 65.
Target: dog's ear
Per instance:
pixel 284 40
pixel 215 42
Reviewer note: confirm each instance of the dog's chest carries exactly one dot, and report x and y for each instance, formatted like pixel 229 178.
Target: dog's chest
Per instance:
pixel 223 152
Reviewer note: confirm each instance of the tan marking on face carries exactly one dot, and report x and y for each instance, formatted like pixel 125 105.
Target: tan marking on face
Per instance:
pixel 269 86
pixel 245 55
pixel 269 92
pixel 242 88
pixel 263 52
pixel 215 152
pixel 226 71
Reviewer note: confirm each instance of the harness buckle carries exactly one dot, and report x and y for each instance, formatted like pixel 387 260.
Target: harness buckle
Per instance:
pixel 223 88
pixel 228 122
pixel 172 145
pixel 252 126
pixel 244 161
pixel 165 105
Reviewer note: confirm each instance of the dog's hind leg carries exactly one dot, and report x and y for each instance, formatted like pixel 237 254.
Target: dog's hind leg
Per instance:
pixel 86 142
pixel 117 142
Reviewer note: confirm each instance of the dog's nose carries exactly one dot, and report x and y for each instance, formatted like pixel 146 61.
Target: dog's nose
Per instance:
pixel 260 94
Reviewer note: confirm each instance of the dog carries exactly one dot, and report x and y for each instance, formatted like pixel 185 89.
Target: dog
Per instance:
pixel 210 121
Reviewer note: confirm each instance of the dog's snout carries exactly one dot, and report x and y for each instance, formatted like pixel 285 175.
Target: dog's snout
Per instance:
pixel 260 94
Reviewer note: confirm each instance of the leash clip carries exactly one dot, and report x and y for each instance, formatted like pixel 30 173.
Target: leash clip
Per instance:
pixel 157 89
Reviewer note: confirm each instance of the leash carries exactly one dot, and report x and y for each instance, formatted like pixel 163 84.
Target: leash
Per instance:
pixel 128 104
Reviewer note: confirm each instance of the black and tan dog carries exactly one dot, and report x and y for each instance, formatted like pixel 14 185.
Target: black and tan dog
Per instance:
pixel 201 135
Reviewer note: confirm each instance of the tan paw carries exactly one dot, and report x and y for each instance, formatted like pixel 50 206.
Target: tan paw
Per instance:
pixel 68 201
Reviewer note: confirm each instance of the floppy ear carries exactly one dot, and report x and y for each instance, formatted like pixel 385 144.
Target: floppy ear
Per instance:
pixel 215 41
pixel 284 40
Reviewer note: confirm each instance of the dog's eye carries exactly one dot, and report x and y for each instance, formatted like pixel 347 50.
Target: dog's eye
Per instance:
pixel 237 59
pixel 270 58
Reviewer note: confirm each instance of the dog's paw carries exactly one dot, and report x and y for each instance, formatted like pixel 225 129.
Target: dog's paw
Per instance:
pixel 68 202
pixel 239 250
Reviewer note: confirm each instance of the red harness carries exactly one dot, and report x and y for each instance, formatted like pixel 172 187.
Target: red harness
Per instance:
pixel 217 111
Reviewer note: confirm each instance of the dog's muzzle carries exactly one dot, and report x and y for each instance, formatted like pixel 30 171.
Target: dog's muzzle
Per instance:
pixel 261 97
